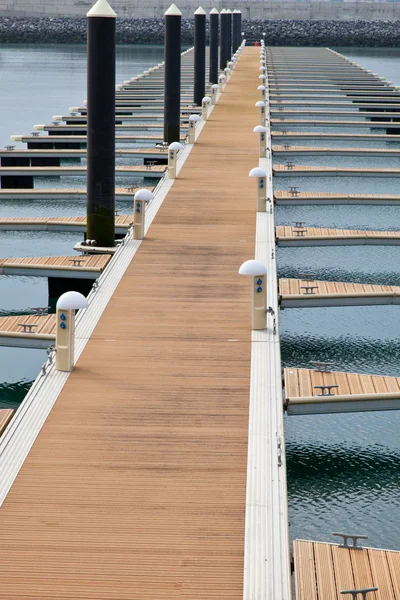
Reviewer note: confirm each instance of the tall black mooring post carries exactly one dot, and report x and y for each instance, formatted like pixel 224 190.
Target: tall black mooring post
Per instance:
pixel 236 29
pixel 214 27
pixel 199 87
pixel 172 74
pixel 101 124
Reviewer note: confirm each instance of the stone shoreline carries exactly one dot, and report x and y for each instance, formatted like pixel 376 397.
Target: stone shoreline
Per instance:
pixel 151 31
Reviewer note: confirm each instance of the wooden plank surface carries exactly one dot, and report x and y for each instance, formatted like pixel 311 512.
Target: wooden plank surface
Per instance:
pixel 135 487
pixel 291 287
pixel 6 415
pixel 297 233
pixel 300 383
pixel 41 324
pixel 332 569
pixel 288 195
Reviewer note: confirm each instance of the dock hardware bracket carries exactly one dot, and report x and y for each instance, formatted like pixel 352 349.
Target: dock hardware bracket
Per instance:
pixel 322 367
pixel 27 327
pixel 40 310
pixel 293 190
pixel 347 536
pixel 363 592
pixel 326 390
pixel 309 289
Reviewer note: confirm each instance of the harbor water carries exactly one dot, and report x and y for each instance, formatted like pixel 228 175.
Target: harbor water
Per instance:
pixel 343 470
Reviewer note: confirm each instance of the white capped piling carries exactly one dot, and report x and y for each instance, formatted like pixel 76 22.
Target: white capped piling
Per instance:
pixel 101 124
pixel 214 35
pixel 140 199
pixel 172 74
pixel 199 59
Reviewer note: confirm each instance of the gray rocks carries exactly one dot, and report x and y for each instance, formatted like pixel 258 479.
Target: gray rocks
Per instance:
pixel 151 31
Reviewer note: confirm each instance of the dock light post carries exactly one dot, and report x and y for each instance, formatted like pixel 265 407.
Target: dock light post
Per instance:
pixel 257 271
pixel 66 306
pixel 140 199
pixel 214 35
pixel 205 103
pixel 222 81
pixel 172 74
pixel 227 72
pixel 214 92
pixel 261 105
pixel 223 58
pixel 173 150
pixel 228 35
pixel 193 119
pixel 100 206
pixel 263 142
pixel 236 29
pixel 199 87
pixel 261 197
pixel 261 89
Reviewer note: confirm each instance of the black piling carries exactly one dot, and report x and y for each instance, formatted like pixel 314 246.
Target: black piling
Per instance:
pixel 228 35
pixel 172 74
pixel 214 27
pixel 236 30
pixel 222 46
pixel 199 88
pixel 101 124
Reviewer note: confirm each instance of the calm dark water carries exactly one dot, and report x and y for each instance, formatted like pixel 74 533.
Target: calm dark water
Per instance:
pixel 38 82
pixel 344 470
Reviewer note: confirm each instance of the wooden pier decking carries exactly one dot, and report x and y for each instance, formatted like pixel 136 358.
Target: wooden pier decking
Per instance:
pixel 294 196
pixel 299 293
pixel 315 171
pixel 78 267
pixel 323 570
pixel 63 193
pixel 155 171
pixel 27 331
pixel 332 151
pixel 320 236
pixel 6 415
pixel 135 487
pixel 76 224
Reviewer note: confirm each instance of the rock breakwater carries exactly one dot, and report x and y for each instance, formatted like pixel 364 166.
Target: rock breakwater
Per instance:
pixel 151 31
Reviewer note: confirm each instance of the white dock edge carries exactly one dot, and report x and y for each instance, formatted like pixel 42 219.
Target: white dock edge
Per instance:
pixel 267 571
pixel 19 436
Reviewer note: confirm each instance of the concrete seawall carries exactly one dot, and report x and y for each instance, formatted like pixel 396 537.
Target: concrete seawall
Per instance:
pixel 151 31
pixel 251 9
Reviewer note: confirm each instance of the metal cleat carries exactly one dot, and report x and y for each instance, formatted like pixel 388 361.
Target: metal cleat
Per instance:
pixel 299 232
pixel 363 592
pixel 289 165
pixel 294 191
pixel 322 367
pixel 10 147
pixel 309 289
pixel 76 262
pixel 27 327
pixel 347 536
pixel 326 390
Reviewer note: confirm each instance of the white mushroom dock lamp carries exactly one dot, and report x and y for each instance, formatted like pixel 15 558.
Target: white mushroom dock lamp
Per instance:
pixel 258 271
pixel 173 150
pixel 261 105
pixel 214 92
pixel 222 81
pixel 204 107
pixel 193 119
pixel 263 141
pixel 227 72
pixel 67 304
pixel 261 89
pixel 140 199
pixel 261 197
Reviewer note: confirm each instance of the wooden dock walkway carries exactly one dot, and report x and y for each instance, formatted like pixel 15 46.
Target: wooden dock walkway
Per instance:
pixel 75 224
pixel 135 488
pixel 320 236
pixel 77 267
pixel 6 415
pixel 299 293
pixel 294 196
pixel 323 570
pixel 27 331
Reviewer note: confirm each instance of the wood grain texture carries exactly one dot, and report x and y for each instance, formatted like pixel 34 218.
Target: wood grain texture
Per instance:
pixel 135 487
